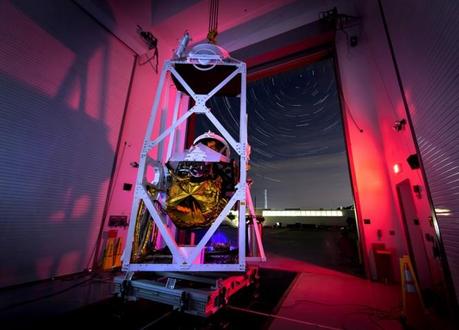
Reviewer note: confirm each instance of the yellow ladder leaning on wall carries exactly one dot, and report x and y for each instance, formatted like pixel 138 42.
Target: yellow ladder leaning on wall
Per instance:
pixel 413 308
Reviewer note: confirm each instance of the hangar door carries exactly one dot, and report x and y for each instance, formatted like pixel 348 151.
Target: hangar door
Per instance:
pixel 64 82
pixel 429 69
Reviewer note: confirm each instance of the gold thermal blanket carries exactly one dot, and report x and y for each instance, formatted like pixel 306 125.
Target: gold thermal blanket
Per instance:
pixel 194 204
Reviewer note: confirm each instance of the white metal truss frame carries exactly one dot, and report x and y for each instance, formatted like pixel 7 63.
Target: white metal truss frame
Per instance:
pixel 183 259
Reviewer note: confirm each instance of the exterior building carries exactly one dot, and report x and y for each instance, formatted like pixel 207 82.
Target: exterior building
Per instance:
pixel 306 218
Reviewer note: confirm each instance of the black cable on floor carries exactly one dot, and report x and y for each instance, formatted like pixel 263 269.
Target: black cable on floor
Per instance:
pixel 25 302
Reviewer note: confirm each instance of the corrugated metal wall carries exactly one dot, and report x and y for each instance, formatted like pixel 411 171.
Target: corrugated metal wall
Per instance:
pixel 426 41
pixel 63 82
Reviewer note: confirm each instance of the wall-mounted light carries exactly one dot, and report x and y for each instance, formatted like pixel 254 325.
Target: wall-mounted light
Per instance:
pixel 397 168
pixel 441 211
pixel 399 125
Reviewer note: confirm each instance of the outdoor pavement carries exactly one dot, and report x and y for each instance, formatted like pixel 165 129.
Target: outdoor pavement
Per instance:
pixel 327 293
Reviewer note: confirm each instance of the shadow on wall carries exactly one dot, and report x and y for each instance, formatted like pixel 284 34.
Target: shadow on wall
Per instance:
pixel 57 157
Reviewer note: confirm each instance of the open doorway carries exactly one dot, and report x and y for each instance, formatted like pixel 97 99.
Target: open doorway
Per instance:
pixel 299 166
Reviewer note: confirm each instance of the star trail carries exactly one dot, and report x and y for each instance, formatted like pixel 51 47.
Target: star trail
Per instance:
pixel 295 132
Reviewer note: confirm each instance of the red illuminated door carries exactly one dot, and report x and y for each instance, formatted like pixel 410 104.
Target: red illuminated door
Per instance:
pixel 414 234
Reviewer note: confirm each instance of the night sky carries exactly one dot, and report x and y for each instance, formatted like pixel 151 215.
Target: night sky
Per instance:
pixel 295 131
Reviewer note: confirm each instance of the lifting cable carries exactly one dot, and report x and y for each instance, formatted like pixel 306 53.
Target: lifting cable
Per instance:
pixel 213 22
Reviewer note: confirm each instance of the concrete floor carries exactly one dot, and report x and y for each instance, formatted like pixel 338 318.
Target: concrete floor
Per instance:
pixel 23 306
pixel 328 291
pixel 323 298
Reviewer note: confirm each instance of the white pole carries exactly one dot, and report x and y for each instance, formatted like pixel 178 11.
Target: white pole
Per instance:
pixel 266 198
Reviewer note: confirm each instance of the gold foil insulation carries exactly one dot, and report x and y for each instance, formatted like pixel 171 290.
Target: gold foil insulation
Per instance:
pixel 194 204
pixel 145 234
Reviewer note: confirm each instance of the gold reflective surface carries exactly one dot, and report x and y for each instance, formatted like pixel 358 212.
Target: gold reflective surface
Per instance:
pixel 194 204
